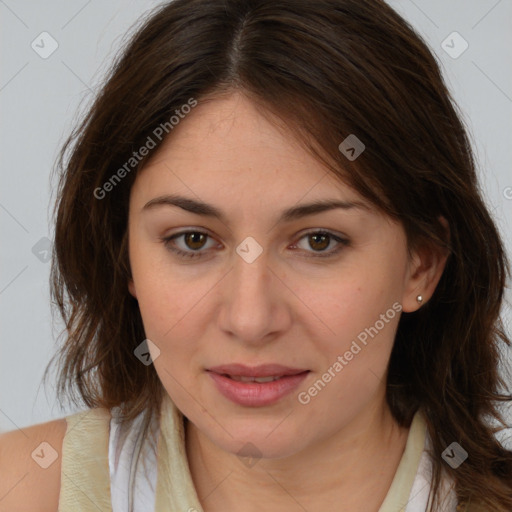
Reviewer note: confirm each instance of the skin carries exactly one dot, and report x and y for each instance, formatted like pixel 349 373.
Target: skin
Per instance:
pixel 341 450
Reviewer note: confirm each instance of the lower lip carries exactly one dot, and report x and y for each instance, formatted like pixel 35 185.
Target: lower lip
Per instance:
pixel 256 394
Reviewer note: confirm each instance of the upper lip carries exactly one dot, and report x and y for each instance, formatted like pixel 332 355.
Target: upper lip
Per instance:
pixel 263 370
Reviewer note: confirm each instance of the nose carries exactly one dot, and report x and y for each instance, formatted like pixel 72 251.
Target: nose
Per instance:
pixel 255 302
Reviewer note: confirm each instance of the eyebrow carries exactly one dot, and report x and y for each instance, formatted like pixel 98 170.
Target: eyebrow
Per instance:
pixel 208 210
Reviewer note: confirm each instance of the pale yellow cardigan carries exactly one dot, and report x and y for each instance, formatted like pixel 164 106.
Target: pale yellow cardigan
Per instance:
pixel 85 478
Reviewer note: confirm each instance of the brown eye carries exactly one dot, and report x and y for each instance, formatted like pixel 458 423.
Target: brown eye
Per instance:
pixel 188 244
pixel 319 241
pixel 194 240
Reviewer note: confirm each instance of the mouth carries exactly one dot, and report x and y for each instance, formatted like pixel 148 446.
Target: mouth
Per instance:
pixel 262 371
pixel 256 386
pixel 241 378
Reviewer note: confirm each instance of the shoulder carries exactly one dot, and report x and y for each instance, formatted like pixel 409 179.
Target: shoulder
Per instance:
pixel 31 462
pixel 30 467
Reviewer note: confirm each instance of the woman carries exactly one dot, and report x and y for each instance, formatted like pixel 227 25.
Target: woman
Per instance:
pixel 280 283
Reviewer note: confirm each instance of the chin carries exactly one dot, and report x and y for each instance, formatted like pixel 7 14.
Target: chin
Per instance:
pixel 257 441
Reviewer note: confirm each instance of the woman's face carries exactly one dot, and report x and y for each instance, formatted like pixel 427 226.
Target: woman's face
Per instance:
pixel 316 296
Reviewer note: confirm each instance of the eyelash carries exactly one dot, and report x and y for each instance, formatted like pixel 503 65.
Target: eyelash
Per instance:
pixel 199 254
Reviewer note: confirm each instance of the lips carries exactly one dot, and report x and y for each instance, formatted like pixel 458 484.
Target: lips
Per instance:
pixel 256 372
pixel 261 380
pixel 256 386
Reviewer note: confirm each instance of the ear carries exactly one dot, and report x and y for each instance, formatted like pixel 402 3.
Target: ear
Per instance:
pixel 131 287
pixel 426 267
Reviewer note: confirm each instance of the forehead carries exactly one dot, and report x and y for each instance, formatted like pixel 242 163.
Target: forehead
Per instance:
pixel 225 148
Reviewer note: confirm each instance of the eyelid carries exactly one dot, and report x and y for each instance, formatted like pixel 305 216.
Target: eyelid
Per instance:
pixel 167 240
pixel 341 240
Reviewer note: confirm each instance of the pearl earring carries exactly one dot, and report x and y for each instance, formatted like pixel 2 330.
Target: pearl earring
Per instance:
pixel 419 298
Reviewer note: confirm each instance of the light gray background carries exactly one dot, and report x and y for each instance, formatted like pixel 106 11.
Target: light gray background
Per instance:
pixel 40 100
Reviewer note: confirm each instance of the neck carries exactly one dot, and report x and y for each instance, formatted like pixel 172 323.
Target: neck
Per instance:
pixel 351 470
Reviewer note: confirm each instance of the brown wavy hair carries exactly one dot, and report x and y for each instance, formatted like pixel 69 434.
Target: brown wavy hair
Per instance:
pixel 327 68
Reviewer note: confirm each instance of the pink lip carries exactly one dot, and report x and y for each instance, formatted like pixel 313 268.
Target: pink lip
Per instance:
pixel 256 394
pixel 262 370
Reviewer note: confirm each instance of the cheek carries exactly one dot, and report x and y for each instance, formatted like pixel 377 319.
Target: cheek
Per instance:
pixel 166 317
pixel 354 364
pixel 353 300
pixel 166 293
pixel 171 303
pixel 360 310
